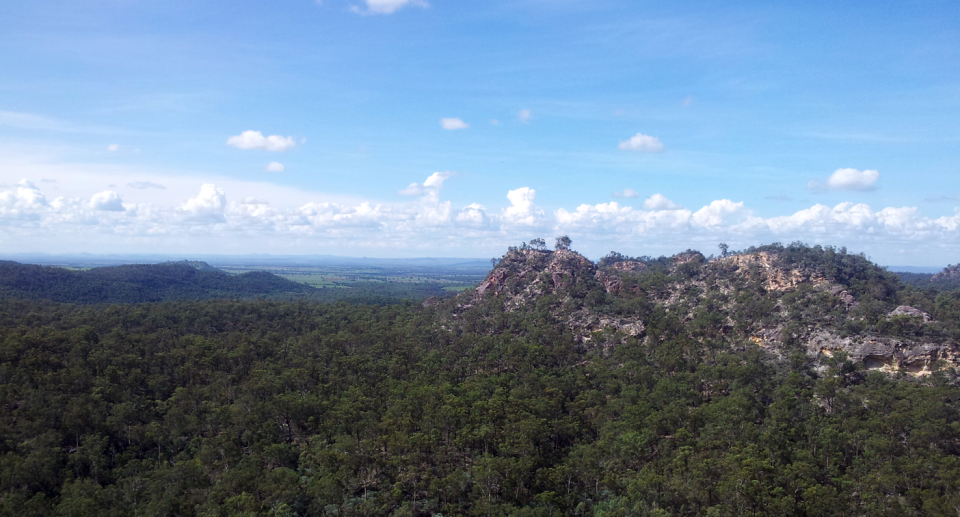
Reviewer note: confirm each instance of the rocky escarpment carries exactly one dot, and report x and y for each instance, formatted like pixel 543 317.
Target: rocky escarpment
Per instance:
pixel 778 304
pixel 950 273
pixel 764 267
pixel 561 280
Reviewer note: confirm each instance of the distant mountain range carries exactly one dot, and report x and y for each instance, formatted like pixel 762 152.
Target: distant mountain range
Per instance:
pixel 139 283
pixel 94 260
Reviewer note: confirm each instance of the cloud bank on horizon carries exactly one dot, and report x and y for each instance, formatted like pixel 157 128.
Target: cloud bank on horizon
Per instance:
pixel 433 226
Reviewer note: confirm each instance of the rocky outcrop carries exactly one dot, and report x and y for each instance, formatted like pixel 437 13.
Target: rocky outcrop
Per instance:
pixel 632 266
pixel 845 297
pixel 773 276
pixel 524 276
pixel 611 283
pixel 949 274
pixel 886 354
pixel 688 256
pixel 912 312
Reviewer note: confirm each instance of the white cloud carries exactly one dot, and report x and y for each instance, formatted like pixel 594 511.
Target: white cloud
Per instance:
pixel 642 143
pixel 431 186
pixel 660 202
pixel 274 167
pixel 113 148
pixel 451 124
pixel 108 201
pixel 627 192
pixel 848 179
pixel 719 213
pixel 614 219
pixel 525 116
pixel 141 185
pixel 495 122
pixel 23 203
pixel 522 210
pixel 473 214
pixel 209 204
pixel 256 140
pixel 387 6
pixel 236 217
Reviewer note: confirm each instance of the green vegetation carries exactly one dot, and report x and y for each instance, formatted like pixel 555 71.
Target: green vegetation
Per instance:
pixel 270 408
pixel 139 283
pixel 186 280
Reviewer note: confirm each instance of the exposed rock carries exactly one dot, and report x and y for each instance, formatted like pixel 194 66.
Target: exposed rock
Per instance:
pixel 611 283
pixel 913 312
pixel 633 266
pixel 688 256
pixel 845 297
pixel 524 276
pixel 775 278
pixel 885 354
pixel 949 273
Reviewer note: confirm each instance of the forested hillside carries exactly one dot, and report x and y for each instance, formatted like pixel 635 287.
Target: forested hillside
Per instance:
pixel 948 279
pixel 138 283
pixel 174 281
pixel 635 386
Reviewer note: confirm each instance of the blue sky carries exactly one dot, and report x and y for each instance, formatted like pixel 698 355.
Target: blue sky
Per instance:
pixel 754 121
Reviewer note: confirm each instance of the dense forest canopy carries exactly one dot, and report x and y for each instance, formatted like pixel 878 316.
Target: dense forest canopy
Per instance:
pixel 639 386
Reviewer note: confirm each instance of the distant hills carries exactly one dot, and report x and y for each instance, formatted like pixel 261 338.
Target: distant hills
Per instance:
pixel 947 279
pixel 139 283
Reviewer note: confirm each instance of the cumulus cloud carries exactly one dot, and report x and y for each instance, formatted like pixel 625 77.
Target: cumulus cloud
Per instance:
pixel 612 218
pixel 525 116
pixel 451 124
pixel 209 204
pixel 431 225
pixel 274 167
pixel 848 179
pixel 473 214
pixel 430 186
pixel 429 209
pixel 720 212
pixel 142 185
pixel 627 192
pixel 25 202
pixel 522 210
pixel 660 202
pixel 642 143
pixel 108 201
pixel 256 140
pixel 387 6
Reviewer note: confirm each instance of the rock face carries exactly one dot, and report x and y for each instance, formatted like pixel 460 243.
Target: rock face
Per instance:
pixel 913 312
pixel 632 266
pixel 949 273
pixel 561 282
pixel 885 354
pixel 845 297
pixel 524 276
pixel 774 278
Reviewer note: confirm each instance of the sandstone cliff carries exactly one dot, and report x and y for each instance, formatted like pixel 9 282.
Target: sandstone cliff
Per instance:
pixel 779 303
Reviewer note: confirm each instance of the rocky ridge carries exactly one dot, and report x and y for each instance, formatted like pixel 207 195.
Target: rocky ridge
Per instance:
pixel 578 293
pixel 949 273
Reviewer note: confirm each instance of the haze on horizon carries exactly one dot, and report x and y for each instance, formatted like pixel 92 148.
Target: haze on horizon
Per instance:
pixel 403 128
